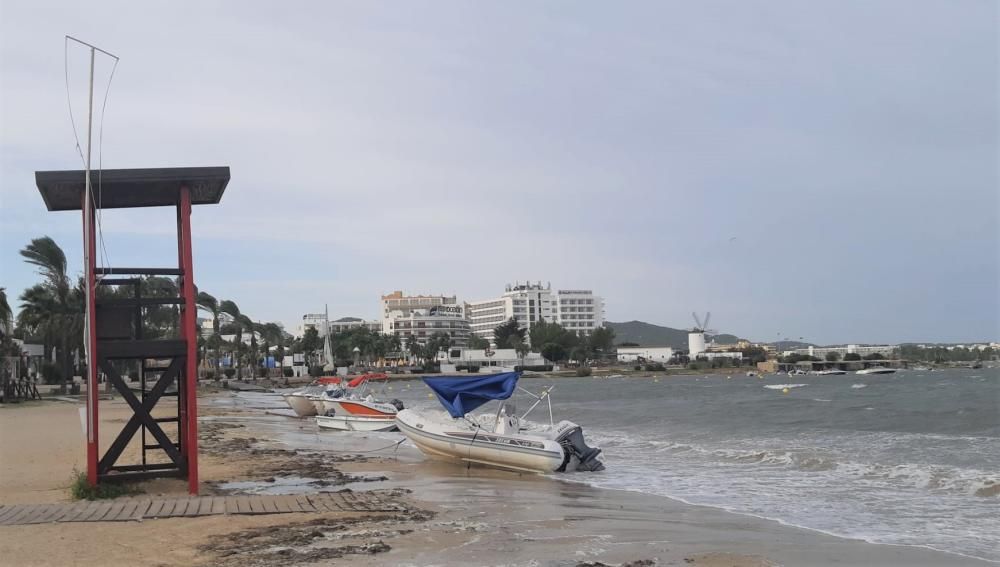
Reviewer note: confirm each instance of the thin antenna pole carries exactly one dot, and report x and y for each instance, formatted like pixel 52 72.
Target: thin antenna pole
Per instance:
pixel 90 336
pixel 88 205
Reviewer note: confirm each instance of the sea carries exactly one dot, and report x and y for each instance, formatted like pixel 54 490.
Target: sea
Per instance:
pixel 911 458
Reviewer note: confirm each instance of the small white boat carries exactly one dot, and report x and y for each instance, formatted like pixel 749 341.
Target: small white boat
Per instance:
pixel 324 400
pixel 356 422
pixel 506 445
pixel 876 370
pixel 360 403
pixel 301 403
pixel 831 372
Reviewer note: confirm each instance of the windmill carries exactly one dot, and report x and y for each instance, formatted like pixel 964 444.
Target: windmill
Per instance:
pixel 696 337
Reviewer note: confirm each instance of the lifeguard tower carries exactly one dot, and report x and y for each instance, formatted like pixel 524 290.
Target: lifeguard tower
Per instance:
pixel 114 323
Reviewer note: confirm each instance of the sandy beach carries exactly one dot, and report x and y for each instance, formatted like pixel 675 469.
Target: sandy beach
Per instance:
pixel 453 515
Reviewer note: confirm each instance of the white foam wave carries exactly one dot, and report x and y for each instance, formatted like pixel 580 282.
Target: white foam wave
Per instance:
pixel 859 386
pixel 783 386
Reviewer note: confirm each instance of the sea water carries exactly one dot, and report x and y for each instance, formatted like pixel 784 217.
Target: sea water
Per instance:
pixel 911 458
pixel 908 458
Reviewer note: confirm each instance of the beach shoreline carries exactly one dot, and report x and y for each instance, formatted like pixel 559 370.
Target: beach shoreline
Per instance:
pixel 456 515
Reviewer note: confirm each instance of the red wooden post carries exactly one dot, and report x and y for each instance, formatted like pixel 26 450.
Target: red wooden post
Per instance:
pixel 93 439
pixel 189 334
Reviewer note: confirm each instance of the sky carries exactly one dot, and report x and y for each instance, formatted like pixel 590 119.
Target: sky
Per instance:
pixel 825 170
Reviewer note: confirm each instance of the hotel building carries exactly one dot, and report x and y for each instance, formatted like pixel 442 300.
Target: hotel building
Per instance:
pixel 419 317
pixel 579 311
pixel 887 351
pixel 316 320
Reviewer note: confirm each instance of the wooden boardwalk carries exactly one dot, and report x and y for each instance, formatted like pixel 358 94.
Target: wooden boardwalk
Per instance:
pixel 125 509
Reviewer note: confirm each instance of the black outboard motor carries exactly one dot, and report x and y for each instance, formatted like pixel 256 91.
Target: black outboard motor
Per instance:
pixel 397 403
pixel 577 456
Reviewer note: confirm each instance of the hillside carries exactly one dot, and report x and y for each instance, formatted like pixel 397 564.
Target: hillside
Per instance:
pixel 648 334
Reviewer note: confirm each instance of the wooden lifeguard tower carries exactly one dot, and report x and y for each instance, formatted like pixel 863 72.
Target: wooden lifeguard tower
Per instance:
pixel 114 325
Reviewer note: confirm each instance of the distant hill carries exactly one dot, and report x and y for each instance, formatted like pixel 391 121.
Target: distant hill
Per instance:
pixel 648 334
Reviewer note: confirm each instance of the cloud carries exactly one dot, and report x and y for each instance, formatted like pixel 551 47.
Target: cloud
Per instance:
pixel 452 148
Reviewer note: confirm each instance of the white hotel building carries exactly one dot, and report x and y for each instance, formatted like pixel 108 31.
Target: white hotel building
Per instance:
pixel 318 321
pixel 579 311
pixel 419 317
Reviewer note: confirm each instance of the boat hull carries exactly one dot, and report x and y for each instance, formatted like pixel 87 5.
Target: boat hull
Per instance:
pixel 359 408
pixel 301 404
pixel 867 371
pixel 522 453
pixel 356 423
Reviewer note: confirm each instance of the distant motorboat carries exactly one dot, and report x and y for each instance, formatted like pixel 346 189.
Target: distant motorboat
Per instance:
pixel 329 396
pixel 830 372
pixel 303 401
pixel 877 370
pixel 359 403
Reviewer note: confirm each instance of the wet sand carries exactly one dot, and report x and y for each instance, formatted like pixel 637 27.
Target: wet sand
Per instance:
pixel 454 515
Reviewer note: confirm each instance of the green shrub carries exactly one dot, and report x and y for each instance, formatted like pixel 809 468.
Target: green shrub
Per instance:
pixel 655 367
pixel 51 373
pixel 316 371
pixel 80 489
pixel 288 372
pixel 230 372
pixel 637 367
pixel 582 371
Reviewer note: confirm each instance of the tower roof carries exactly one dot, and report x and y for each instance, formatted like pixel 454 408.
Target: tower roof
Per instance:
pixel 125 188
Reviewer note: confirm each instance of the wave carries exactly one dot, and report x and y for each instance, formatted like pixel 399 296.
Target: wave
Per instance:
pixel 925 477
pixel 859 386
pixel 783 386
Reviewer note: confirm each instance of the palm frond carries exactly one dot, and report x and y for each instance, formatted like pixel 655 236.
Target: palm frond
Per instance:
pixel 207 302
pixel 49 259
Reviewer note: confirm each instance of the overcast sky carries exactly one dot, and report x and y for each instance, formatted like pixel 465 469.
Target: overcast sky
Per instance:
pixel 826 170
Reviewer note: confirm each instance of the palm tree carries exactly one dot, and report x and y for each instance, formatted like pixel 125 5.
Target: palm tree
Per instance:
pixel 52 310
pixel 394 343
pixel 413 346
pixel 273 335
pixel 207 302
pixel 247 323
pixel 5 312
pixel 230 308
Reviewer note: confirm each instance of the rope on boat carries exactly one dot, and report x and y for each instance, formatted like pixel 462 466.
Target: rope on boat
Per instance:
pixel 396 445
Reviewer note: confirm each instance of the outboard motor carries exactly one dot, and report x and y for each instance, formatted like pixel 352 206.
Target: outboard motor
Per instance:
pixel 577 456
pixel 397 403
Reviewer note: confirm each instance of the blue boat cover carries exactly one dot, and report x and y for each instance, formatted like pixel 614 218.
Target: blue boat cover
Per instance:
pixel 461 395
